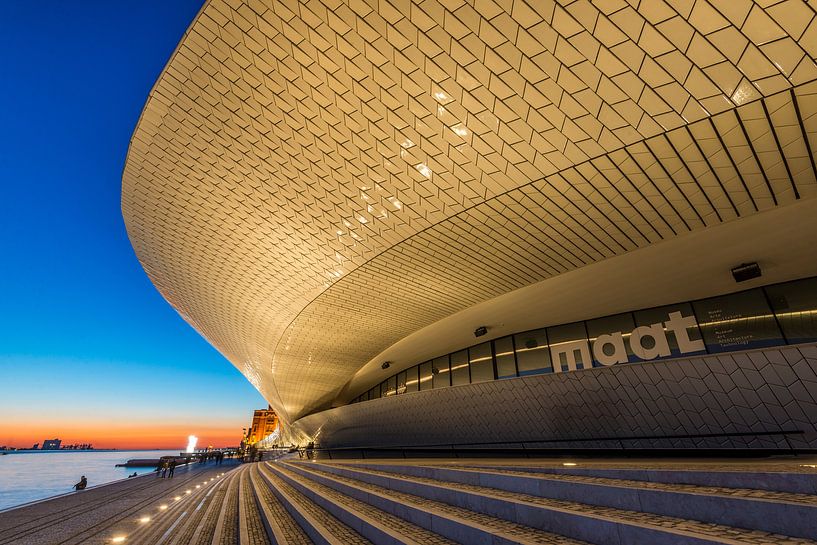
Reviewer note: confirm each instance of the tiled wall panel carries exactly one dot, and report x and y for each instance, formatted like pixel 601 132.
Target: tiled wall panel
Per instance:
pixel 758 391
pixel 307 174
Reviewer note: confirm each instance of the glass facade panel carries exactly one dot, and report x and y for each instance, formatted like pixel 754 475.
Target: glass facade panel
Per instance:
pixel 505 360
pixel 459 368
pixel 739 321
pixel 795 305
pixel 426 376
pixel 442 375
pixel 481 361
pixel 611 348
pixel 412 382
pixel 532 356
pixel 569 349
pixel 749 319
pixel 389 386
pixel 677 322
pixel 401 383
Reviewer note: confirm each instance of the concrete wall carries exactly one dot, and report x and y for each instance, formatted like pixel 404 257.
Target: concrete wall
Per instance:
pixel 765 390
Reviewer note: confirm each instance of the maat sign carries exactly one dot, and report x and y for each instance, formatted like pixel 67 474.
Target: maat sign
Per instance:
pixel 609 349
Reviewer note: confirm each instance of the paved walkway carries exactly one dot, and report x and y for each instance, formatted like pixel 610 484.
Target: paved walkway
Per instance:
pixel 97 515
pixel 439 502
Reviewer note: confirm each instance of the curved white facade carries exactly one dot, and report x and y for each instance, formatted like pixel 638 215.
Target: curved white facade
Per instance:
pixel 310 184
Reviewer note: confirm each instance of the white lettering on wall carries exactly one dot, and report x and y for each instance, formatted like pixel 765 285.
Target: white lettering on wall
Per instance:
pixel 660 345
pixel 616 340
pixel 568 350
pixel 678 325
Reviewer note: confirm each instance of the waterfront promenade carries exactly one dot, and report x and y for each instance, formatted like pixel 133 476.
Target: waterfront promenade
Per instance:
pixel 100 514
pixel 438 502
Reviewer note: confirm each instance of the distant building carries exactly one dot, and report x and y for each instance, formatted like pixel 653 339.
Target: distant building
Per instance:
pixel 52 444
pixel 264 423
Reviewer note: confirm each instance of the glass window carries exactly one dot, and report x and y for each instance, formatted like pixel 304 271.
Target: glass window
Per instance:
pixel 426 376
pixel 412 381
pixel 442 376
pixel 739 321
pixel 795 305
pixel 532 356
pixel 481 361
pixel 401 382
pixel 569 349
pixel 505 360
pixel 389 386
pixel 681 335
pixel 612 348
pixel 374 393
pixel 459 368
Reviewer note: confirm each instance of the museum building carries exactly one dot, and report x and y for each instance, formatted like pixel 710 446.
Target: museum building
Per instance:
pixel 495 223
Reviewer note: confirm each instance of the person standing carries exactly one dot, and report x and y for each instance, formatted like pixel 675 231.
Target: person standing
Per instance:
pixel 171 469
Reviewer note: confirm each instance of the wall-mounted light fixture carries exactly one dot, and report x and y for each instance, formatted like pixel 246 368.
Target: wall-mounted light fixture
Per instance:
pixel 480 331
pixel 385 365
pixel 746 271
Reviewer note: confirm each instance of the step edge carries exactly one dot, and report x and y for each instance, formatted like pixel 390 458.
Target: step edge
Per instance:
pixel 610 520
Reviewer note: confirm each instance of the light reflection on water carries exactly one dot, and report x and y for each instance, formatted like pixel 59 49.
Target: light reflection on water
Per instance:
pixel 30 476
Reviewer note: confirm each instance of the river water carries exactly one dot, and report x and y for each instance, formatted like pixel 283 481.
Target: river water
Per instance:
pixel 30 476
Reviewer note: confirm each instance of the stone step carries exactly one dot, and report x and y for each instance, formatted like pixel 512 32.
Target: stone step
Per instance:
pixel 203 534
pixel 460 525
pixel 196 511
pixel 774 512
pixel 226 530
pixel 317 523
pixel 280 526
pixel 602 525
pixel 251 529
pixel 179 522
pixel 797 479
pixel 372 523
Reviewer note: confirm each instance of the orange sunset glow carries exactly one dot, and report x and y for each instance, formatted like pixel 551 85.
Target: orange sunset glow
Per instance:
pixel 114 435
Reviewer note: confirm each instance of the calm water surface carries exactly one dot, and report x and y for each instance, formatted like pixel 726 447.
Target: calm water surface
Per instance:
pixel 30 476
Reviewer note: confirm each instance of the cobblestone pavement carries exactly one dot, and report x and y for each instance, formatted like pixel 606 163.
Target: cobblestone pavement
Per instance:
pixel 206 529
pixel 223 505
pixel 750 537
pixel 94 516
pixel 289 528
pixel 396 524
pixel 494 524
pixel 250 516
pixel 229 528
pixel 343 533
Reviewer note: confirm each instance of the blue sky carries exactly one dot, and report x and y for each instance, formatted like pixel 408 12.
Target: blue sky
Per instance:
pixel 84 336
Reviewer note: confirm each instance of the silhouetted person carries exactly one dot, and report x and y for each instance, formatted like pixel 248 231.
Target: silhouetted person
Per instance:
pixel 83 482
pixel 164 470
pixel 171 469
pixel 134 475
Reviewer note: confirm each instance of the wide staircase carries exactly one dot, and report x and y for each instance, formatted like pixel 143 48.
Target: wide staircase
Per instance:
pixel 292 501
